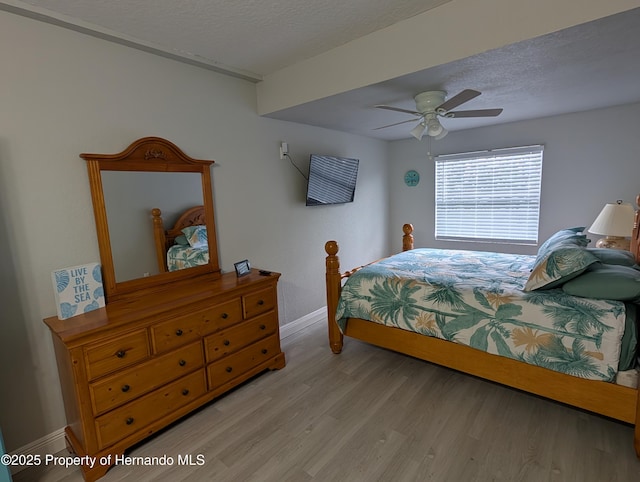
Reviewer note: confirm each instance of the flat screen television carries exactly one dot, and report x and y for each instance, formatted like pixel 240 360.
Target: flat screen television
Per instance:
pixel 332 180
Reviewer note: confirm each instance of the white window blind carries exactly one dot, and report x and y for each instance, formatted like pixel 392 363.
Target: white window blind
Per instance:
pixel 491 196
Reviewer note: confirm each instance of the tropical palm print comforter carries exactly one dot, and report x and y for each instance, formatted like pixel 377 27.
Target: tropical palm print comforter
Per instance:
pixel 476 299
pixel 180 257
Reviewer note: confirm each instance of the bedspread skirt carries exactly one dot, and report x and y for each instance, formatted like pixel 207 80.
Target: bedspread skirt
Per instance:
pixel 477 299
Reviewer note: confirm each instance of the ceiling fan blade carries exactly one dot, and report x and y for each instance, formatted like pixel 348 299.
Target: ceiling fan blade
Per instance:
pixel 396 124
pixel 397 109
pixel 459 99
pixel 474 113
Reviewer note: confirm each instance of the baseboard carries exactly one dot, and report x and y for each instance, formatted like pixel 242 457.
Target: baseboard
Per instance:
pixel 47 445
pixel 54 442
pixel 302 323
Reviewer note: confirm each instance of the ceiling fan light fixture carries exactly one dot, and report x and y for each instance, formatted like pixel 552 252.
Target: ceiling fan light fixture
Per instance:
pixel 419 130
pixel 441 135
pixel 434 128
pixel 432 105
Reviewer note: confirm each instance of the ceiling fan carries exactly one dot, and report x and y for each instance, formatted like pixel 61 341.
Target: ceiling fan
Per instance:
pixel 431 105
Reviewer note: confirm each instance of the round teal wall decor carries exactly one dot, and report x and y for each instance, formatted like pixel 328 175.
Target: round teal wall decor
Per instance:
pixel 411 178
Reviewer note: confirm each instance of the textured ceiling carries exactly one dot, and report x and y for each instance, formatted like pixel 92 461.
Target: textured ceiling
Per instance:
pixel 257 36
pixel 592 65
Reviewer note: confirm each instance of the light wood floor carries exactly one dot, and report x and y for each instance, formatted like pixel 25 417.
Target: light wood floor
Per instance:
pixel 373 415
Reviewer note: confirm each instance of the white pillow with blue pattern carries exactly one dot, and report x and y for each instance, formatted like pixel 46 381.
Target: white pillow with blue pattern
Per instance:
pixel 196 236
pixel 561 258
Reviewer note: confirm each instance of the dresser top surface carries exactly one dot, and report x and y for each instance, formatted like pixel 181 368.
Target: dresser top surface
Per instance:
pixel 195 293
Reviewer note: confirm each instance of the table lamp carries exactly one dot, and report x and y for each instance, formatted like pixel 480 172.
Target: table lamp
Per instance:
pixel 615 222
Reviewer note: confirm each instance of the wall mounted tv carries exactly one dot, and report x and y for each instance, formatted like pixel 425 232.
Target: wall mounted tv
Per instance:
pixel 332 180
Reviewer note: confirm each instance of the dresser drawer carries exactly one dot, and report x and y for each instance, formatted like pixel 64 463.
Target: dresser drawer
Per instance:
pixel 117 389
pixel 258 302
pixel 233 339
pixel 179 331
pixel 130 418
pixel 235 365
pixel 116 353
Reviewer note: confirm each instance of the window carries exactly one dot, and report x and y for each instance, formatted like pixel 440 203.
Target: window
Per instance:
pixel 490 196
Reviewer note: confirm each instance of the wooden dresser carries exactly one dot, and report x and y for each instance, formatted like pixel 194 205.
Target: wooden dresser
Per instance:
pixel 149 358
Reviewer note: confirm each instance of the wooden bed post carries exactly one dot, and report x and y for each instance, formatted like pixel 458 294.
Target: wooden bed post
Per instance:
pixel 333 280
pixel 407 239
pixel 158 236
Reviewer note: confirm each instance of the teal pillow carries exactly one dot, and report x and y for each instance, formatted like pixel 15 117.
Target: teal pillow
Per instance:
pixel 606 282
pixel 181 240
pixel 196 236
pixel 613 256
pixel 561 258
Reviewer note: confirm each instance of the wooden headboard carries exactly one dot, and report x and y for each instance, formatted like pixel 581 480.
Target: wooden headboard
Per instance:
pixel 164 239
pixel 635 235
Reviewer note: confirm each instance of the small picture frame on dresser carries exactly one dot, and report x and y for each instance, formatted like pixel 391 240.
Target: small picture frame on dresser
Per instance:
pixel 242 268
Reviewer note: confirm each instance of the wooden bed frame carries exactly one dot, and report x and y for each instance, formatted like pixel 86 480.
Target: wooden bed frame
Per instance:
pixel 164 239
pixel 608 399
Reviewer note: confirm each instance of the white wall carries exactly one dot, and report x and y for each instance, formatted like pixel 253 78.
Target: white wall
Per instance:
pixel 590 158
pixel 63 93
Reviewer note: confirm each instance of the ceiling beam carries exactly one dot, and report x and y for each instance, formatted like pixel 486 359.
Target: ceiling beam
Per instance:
pixel 453 31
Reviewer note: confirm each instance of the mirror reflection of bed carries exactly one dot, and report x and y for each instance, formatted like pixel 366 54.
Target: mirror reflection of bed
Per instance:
pixel 185 245
pixel 129 197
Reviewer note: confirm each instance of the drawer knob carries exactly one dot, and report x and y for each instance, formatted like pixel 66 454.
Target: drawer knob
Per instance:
pixel 178 332
pixel 261 302
pixel 229 369
pixel 185 392
pixel 226 342
pixel 182 363
pixel 264 351
pixel 121 353
pixel 225 316
pixel 125 388
pixel 129 421
pixel 263 327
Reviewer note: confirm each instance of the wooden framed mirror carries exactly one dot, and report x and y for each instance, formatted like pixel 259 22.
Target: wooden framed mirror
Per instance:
pixel 133 193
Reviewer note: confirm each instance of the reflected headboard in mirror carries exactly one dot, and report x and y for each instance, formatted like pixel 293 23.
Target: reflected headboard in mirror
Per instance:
pixel 173 254
pixel 125 187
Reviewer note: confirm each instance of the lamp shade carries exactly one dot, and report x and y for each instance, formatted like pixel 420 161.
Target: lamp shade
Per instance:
pixel 418 131
pixel 442 134
pixel 615 219
pixel 434 128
